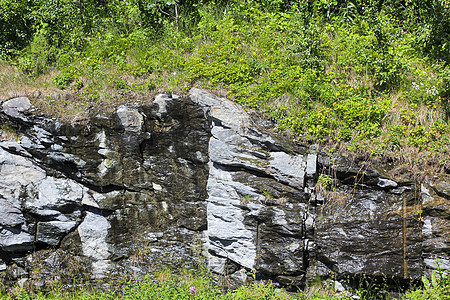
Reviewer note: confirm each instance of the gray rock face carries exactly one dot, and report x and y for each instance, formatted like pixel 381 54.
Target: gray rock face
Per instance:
pixel 436 226
pixel 93 232
pixel 16 107
pixel 257 207
pixel 124 193
pixel 183 178
pixel 365 234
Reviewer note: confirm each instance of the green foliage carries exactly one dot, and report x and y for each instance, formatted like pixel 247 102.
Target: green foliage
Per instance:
pixel 38 56
pixel 120 83
pixel 324 181
pixel 167 285
pixel 63 80
pixel 434 33
pixel 369 48
pixel 322 70
pixel 15 25
pixel 363 114
pixel 435 287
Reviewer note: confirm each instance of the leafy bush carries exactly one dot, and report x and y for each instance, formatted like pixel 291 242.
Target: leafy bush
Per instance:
pixel 15 25
pixel 63 80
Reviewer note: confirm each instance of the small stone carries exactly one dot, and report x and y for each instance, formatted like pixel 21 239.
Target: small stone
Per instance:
pixel 15 107
pixel 161 101
pixel 338 287
pixel 57 147
pixel 22 281
pixel 386 183
pixel 130 119
pixel 156 187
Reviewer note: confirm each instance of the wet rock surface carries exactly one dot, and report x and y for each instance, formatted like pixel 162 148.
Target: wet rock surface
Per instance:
pixel 184 179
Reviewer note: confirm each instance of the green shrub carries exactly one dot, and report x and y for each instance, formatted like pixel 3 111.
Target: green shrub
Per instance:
pixel 119 84
pixel 63 80
pixel 363 114
pixel 15 26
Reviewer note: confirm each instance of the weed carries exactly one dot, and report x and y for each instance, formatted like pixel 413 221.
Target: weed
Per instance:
pixel 62 81
pixel 323 182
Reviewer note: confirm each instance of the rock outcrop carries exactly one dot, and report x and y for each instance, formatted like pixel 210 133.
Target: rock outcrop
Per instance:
pixel 185 179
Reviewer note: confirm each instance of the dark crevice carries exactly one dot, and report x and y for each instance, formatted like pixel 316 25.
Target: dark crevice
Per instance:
pixel 282 280
pixel 436 212
pixel 288 234
pixel 5 257
pixel 218 123
pixel 99 211
pixel 240 168
pixel 243 207
pixel 39 246
pixel 440 194
pixel 223 242
pixel 103 189
pixel 258 243
pixel 118 259
pixel 306 259
pixel 328 263
pixel 214 253
pixel 201 228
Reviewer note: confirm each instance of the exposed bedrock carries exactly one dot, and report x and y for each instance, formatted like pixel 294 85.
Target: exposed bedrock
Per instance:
pixel 185 179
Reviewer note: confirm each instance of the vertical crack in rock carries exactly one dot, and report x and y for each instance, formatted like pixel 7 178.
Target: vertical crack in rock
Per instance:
pixel 404 238
pixel 258 244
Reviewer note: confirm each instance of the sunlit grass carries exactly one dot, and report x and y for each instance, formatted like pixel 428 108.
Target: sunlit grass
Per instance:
pixel 167 285
pixel 311 79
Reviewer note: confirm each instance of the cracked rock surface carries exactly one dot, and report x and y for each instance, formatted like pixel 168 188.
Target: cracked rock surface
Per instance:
pixel 183 179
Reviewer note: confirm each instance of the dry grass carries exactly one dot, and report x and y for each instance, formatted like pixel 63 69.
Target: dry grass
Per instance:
pixel 7 133
pixel 13 83
pixel 98 94
pixel 65 104
pixel 322 290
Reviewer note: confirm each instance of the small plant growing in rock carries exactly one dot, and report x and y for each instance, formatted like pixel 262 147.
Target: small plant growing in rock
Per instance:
pixel 267 194
pixel 323 182
pixel 246 199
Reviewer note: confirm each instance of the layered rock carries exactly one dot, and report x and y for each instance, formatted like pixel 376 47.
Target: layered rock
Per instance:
pixel 435 216
pixel 184 179
pixel 120 193
pixel 258 211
